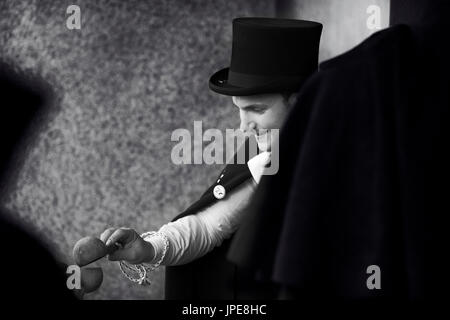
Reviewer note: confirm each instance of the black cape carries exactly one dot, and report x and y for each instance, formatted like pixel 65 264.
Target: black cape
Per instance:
pixel 364 175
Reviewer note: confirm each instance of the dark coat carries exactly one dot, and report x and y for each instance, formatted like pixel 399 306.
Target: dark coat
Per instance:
pixel 364 175
pixel 213 276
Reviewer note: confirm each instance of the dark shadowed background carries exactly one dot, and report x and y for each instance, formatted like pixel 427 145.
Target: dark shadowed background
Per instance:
pixel 136 71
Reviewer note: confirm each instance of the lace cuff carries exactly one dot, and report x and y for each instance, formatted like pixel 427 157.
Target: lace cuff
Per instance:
pixel 140 273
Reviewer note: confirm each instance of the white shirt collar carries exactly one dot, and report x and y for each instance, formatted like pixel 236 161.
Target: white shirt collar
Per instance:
pixel 257 164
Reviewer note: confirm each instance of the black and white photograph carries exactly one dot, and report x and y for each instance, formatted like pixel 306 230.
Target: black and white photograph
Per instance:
pixel 224 159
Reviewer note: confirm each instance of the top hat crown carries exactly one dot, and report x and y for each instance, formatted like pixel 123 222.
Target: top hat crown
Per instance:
pixel 269 55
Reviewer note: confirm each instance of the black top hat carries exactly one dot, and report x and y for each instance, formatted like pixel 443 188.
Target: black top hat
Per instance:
pixel 269 55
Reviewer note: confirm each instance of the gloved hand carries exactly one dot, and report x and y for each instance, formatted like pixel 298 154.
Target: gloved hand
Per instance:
pixel 130 246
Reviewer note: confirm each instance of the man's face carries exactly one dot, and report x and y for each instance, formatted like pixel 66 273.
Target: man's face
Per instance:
pixel 260 113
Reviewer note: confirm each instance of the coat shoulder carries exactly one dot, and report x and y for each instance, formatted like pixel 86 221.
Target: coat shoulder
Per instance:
pixel 379 44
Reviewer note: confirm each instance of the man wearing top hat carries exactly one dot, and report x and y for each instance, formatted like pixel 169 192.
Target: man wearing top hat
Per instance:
pixel 271 59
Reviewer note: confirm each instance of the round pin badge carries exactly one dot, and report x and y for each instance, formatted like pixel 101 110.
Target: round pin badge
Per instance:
pixel 219 192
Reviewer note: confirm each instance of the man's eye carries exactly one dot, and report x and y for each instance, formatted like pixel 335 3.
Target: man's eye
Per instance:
pixel 258 110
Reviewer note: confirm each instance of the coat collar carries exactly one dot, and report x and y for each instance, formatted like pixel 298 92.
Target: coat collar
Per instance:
pixel 231 177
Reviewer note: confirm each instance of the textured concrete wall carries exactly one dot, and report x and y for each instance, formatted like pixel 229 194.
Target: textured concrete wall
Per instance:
pixel 344 20
pixel 134 72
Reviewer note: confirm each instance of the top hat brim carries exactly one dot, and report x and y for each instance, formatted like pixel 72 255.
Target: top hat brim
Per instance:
pixel 219 83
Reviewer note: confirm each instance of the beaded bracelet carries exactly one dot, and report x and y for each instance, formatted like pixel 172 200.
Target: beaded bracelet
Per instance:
pixel 139 272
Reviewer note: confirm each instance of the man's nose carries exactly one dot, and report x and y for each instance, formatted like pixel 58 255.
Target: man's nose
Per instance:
pixel 246 123
pixel 243 126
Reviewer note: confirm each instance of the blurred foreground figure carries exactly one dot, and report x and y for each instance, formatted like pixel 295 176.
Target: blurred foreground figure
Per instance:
pixel 28 271
pixel 355 209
